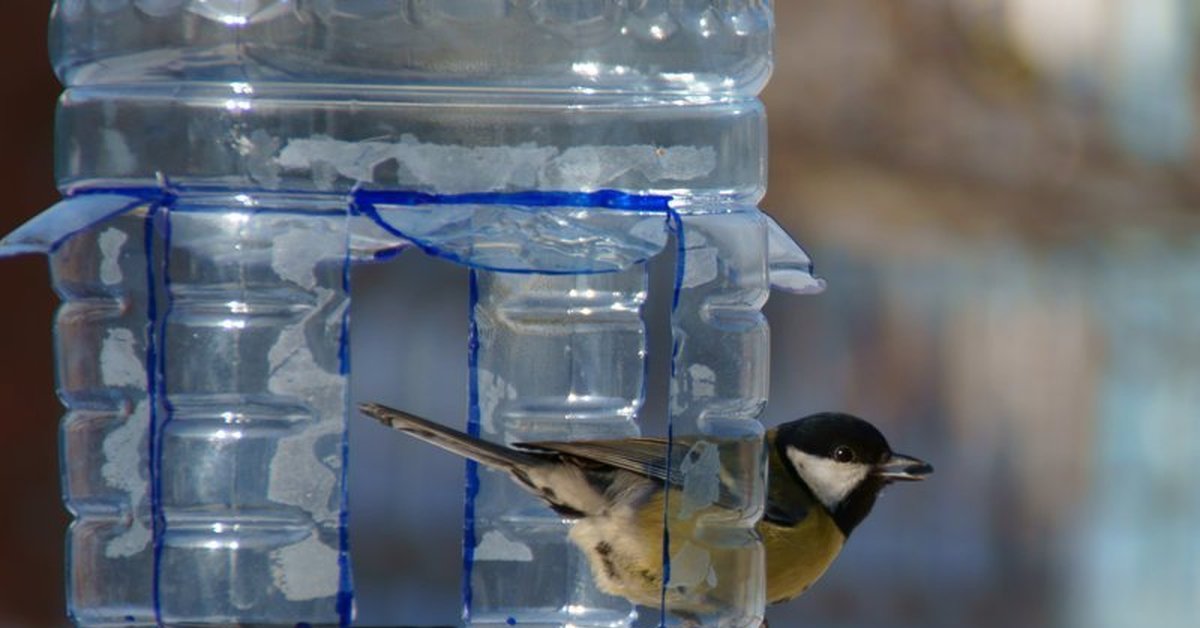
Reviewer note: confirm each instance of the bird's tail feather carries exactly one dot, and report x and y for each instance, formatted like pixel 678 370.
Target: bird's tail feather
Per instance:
pixel 450 439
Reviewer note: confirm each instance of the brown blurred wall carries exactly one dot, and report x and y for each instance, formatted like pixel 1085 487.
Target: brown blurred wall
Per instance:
pixel 31 530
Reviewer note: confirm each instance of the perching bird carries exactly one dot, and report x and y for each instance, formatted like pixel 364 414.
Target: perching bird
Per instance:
pixel 824 473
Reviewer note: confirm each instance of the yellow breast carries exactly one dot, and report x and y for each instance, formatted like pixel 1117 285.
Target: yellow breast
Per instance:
pixel 624 549
pixel 797 556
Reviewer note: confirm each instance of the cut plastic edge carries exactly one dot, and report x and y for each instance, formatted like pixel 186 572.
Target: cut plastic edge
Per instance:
pixel 47 231
pixel 790 268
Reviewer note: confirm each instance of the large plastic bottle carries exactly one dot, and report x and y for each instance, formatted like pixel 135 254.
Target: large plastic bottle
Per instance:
pixel 225 162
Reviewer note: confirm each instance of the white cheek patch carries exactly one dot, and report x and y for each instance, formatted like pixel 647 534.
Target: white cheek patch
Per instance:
pixel 831 481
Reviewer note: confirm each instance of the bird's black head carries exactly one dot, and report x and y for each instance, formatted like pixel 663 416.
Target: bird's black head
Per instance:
pixel 844 462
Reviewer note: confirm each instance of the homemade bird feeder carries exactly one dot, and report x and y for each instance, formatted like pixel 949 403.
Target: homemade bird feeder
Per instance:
pixel 225 165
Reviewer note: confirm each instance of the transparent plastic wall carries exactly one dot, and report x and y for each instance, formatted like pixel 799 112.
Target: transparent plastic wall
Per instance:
pixel 559 357
pixel 718 391
pixel 642 46
pixel 201 364
pixel 225 162
pixel 202 360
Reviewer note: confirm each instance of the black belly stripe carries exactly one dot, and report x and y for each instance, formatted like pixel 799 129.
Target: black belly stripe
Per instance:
pixel 567 511
pixel 605 552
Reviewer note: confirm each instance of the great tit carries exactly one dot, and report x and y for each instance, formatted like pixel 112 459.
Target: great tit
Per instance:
pixel 824 472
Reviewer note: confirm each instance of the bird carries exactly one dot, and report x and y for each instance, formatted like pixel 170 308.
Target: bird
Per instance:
pixel 824 473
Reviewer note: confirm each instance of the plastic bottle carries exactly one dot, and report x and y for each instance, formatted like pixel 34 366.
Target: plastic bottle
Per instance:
pixel 225 162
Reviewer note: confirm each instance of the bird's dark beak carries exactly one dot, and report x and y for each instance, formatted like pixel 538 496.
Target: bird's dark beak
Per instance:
pixel 903 468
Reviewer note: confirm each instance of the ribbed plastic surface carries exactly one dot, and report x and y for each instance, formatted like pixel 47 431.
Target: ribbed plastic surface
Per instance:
pixel 693 47
pixel 227 160
pixel 200 359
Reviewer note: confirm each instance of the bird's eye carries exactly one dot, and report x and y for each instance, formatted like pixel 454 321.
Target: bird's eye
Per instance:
pixel 843 454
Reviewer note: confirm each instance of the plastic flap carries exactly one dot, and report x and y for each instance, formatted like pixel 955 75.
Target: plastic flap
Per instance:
pixel 790 268
pixel 535 232
pixel 48 230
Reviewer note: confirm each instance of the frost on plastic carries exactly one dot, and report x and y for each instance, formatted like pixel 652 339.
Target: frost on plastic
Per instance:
pixel 263 145
pixel 514 238
pixel 244 310
pixel 411 164
pixel 718 392
pixel 200 356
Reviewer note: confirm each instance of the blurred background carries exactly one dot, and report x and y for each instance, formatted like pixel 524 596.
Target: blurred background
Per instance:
pixel 1002 195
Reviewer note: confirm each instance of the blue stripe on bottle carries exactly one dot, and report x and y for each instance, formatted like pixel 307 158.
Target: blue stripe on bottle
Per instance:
pixel 677 227
pixel 345 594
pixel 473 417
pixel 157 219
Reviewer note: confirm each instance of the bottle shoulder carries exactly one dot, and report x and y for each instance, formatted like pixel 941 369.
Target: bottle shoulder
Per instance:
pixel 607 46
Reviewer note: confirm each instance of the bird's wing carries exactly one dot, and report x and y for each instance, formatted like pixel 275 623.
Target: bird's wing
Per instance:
pixel 644 456
pixel 788 501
